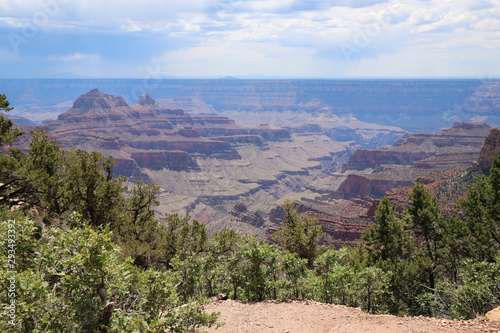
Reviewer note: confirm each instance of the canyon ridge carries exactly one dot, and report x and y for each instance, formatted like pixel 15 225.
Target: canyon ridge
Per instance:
pixel 207 163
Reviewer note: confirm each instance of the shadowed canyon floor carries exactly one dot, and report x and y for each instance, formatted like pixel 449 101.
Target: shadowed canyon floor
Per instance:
pixel 308 316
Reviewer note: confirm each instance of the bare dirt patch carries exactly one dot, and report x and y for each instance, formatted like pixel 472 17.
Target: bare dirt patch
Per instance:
pixel 308 316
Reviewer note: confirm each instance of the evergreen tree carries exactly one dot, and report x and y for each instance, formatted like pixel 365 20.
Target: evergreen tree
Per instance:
pixel 11 182
pixel 424 219
pixel 92 189
pixel 385 239
pixel 44 172
pixel 299 234
pixel 8 134
pixel 138 231
pixel 14 187
pixel 482 208
pixel 456 246
pixel 392 248
pixel 73 280
pixel 153 243
pixel 184 236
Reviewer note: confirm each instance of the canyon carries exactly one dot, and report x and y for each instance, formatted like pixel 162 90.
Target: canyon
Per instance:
pixel 211 144
pixel 203 163
pixel 446 162
pixel 411 156
pixel 345 201
pixel 425 105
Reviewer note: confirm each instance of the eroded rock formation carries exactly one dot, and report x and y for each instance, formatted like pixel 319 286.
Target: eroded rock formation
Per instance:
pixel 410 157
pixel 490 149
pixel 351 207
pixel 148 135
pixel 202 163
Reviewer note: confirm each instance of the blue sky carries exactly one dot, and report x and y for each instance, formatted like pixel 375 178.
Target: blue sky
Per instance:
pixel 280 38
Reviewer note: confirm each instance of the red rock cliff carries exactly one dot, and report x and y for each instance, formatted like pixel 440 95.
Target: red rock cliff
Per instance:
pixel 415 155
pixel 490 149
pixel 150 136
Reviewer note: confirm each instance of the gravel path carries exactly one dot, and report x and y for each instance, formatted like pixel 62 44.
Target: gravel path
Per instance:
pixel 308 316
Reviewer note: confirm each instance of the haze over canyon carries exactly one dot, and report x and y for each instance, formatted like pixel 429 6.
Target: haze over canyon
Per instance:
pixel 332 147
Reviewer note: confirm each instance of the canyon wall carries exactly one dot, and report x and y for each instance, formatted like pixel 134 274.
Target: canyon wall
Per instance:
pixel 412 156
pixel 148 135
pixel 490 149
pixel 414 105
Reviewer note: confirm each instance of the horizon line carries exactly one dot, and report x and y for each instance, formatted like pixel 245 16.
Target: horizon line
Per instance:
pixel 263 78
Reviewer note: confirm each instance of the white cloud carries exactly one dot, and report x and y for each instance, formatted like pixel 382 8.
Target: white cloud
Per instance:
pixel 241 58
pixel 75 57
pixel 10 22
pixel 404 39
pixel 243 36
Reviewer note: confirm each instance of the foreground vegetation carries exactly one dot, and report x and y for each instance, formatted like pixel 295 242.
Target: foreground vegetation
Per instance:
pixel 90 254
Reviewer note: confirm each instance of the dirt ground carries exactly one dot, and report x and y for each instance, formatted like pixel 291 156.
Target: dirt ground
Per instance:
pixel 308 316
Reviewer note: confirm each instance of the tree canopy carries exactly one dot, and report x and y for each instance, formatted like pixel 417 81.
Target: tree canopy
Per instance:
pixel 299 233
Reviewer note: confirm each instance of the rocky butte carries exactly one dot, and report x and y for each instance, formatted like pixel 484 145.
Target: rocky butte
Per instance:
pixel 490 149
pixel 143 136
pixel 450 185
pixel 202 163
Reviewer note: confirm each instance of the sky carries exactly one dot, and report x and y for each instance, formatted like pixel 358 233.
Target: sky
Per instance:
pixel 250 38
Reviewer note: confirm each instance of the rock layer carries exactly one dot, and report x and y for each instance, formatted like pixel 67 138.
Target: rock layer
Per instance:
pixel 148 135
pixel 490 149
pixel 415 105
pixel 410 157
pixel 202 163
pixel 447 175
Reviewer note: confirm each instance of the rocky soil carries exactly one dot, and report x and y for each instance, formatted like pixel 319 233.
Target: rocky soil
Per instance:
pixel 308 316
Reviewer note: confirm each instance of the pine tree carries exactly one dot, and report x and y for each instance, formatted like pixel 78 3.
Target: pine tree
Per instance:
pixel 385 238
pixel 424 220
pixel 44 172
pixel 299 234
pixel 392 248
pixel 8 134
pixel 10 180
pixel 482 208
pixel 92 189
